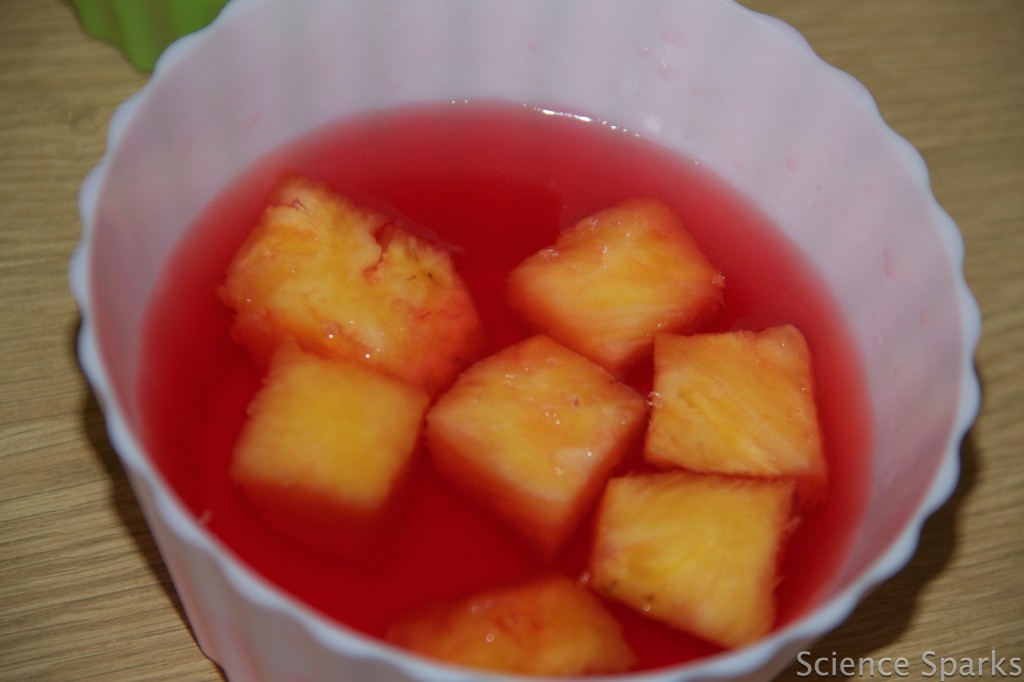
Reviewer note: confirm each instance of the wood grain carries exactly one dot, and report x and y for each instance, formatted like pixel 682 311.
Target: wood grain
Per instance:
pixel 83 592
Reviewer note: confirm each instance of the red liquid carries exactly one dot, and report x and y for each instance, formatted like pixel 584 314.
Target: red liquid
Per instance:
pixel 497 182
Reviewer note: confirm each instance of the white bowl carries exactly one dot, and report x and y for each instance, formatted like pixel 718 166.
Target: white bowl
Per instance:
pixel 738 92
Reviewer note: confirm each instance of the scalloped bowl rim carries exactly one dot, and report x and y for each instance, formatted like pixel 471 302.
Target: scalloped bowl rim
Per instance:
pixel 339 637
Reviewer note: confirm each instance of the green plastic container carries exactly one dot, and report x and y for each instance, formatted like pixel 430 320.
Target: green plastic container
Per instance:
pixel 142 29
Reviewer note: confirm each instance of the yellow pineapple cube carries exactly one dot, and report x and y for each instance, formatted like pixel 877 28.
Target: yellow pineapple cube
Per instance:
pixel 614 280
pixel 325 445
pixel 349 283
pixel 697 552
pixel 546 626
pixel 533 432
pixel 740 403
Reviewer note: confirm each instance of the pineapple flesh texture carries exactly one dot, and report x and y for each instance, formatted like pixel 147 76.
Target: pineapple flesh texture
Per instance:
pixel 738 403
pixel 546 626
pixel 533 432
pixel 325 445
pixel 614 280
pixel 696 552
pixel 347 282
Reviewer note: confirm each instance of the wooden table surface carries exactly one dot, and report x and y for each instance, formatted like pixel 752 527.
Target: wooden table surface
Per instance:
pixel 83 592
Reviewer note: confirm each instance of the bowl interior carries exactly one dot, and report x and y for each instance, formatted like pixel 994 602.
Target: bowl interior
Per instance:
pixel 737 92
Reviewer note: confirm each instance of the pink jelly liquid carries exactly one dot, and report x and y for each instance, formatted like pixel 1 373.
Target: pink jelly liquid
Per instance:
pixel 497 182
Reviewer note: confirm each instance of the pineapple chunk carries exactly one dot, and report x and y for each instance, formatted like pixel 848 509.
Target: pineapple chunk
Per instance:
pixel 533 432
pixel 739 403
pixel 346 282
pixel 325 446
pixel 697 552
pixel 546 626
pixel 614 280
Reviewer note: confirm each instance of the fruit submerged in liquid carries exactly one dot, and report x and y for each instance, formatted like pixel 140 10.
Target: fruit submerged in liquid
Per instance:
pixel 697 552
pixel 453 170
pixel 614 280
pixel 326 444
pixel 532 432
pixel 738 403
pixel 545 626
pixel 347 282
